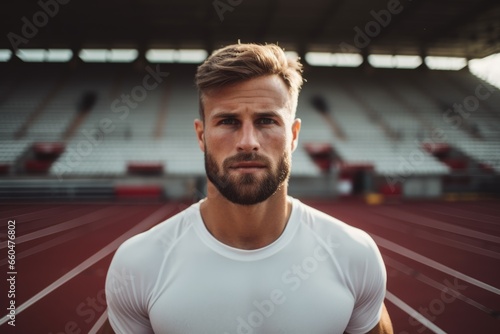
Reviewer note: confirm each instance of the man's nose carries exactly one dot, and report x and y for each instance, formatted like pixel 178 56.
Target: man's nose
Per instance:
pixel 248 138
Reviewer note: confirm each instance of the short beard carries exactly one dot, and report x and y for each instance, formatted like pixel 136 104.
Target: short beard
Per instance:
pixel 248 189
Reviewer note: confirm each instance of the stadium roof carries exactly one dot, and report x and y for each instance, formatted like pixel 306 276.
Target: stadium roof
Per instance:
pixel 461 28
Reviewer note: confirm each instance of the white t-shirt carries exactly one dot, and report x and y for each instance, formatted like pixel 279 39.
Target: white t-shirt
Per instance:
pixel 321 276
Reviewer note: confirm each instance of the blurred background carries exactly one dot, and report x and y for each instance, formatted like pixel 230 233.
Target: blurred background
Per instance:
pixel 400 136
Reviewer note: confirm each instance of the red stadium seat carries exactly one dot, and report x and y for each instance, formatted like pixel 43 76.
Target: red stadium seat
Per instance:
pixel 37 166
pixel 145 168
pixel 4 168
pixel 139 191
pixel 48 148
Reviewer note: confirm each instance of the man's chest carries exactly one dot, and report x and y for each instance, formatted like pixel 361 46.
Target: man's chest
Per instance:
pixel 283 295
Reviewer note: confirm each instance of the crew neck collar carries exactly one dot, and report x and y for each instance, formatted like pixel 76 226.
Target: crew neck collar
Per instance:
pixel 244 254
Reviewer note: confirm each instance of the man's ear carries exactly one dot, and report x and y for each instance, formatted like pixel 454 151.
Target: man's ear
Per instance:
pixel 295 133
pixel 199 127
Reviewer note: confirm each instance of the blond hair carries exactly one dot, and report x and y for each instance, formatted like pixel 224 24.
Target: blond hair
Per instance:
pixel 239 62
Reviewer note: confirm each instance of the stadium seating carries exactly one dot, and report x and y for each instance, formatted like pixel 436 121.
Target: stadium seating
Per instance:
pixel 382 118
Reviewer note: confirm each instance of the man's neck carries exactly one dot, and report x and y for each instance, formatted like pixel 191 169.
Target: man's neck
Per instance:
pixel 246 226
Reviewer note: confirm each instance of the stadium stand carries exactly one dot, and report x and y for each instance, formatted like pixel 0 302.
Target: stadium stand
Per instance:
pixel 384 122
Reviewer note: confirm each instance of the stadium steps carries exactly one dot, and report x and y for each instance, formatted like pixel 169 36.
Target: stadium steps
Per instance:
pixel 25 127
pixel 337 129
pixel 427 85
pixel 470 81
pixel 375 89
pixel 456 80
pixel 10 154
pixel 486 115
pixel 321 106
pixel 475 120
pixel 371 112
pixel 77 121
pixel 162 115
pixel 418 116
pixel 38 157
pixel 86 104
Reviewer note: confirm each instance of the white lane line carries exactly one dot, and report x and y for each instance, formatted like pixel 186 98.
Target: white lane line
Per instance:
pixel 456 244
pixel 76 222
pixel 99 323
pixel 436 224
pixel 413 313
pixel 149 221
pixel 26 217
pixel 44 246
pixel 431 263
pixel 60 239
pixel 477 217
pixel 436 238
pixel 436 285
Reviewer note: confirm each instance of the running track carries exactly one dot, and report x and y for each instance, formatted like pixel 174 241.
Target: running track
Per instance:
pixel 442 259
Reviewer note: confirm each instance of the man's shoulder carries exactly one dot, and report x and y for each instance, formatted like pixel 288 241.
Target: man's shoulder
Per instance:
pixel 352 248
pixel 336 231
pixel 152 244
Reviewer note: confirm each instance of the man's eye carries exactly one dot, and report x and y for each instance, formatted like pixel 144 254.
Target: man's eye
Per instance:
pixel 266 121
pixel 228 121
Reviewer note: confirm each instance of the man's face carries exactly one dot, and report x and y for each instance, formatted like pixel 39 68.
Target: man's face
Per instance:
pixel 247 137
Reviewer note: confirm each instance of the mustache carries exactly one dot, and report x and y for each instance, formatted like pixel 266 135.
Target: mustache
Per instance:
pixel 244 157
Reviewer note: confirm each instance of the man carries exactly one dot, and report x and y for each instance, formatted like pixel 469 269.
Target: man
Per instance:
pixel 248 258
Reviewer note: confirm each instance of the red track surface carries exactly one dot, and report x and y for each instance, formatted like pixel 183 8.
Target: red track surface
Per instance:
pixel 63 252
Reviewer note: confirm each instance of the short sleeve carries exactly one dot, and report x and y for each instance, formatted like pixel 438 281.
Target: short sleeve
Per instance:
pixel 125 291
pixel 369 282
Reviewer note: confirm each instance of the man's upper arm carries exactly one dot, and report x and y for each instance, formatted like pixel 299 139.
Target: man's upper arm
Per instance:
pixel 384 326
pixel 368 278
pixel 125 291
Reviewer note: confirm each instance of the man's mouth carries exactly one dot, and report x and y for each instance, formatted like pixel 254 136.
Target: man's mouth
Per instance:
pixel 247 166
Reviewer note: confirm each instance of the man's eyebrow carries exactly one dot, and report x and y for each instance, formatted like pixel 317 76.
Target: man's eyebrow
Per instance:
pixel 229 114
pixel 225 114
pixel 268 114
